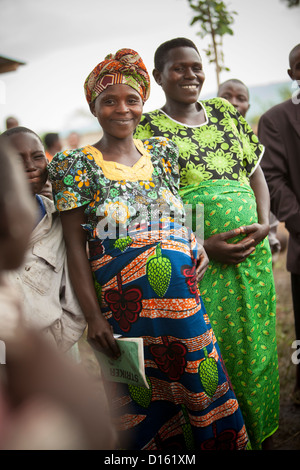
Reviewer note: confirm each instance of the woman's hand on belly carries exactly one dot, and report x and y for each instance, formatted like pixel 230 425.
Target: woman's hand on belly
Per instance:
pixel 255 232
pixel 219 250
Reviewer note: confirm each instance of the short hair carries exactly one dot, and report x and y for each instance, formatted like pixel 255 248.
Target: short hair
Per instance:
pixel 165 47
pixel 292 53
pixel 19 130
pixel 50 139
pixel 234 80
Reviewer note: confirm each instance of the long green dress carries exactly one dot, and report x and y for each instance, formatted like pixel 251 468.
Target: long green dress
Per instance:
pixel 216 161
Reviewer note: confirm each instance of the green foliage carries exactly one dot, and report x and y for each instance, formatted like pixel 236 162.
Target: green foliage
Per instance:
pixel 215 20
pixel 292 3
pixel 285 92
pixel 212 16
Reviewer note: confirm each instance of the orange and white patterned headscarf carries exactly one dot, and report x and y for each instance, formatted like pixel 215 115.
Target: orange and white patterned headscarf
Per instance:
pixel 126 67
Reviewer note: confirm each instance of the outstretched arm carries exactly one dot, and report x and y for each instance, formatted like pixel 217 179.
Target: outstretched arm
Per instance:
pixel 218 249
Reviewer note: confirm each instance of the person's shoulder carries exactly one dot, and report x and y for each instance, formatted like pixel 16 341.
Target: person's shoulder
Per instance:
pixel 52 216
pixel 218 104
pixel 278 109
pixel 161 148
pixel 150 115
pixel 48 241
pixel 154 112
pixel 48 204
pixel 75 158
pixel 159 142
pixel 82 152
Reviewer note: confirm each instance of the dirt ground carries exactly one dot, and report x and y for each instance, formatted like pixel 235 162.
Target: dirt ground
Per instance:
pixel 288 435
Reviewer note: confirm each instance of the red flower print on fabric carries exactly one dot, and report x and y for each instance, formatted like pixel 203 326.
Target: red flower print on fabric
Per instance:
pixel 189 273
pixel 226 440
pixel 95 248
pixel 125 304
pixel 170 357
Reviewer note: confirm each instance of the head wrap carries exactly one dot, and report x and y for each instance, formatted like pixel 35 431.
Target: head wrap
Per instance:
pixel 126 67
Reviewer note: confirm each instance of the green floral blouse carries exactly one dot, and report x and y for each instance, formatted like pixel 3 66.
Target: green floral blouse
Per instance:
pixel 224 147
pixel 122 195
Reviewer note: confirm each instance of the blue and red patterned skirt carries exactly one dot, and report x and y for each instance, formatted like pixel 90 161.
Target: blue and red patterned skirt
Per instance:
pixel 146 285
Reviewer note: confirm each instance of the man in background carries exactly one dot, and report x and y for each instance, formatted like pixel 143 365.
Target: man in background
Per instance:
pixel 279 132
pixel 52 144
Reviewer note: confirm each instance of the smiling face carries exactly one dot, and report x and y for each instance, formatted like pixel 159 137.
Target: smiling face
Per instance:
pixel 182 76
pixel 237 94
pixel 31 150
pixel 118 109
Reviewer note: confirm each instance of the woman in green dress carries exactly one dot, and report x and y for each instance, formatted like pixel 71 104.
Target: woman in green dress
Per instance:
pixel 219 159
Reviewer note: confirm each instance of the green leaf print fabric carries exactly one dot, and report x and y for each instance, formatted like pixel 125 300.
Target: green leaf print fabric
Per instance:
pixel 78 180
pixel 241 304
pixel 223 147
pixel 216 161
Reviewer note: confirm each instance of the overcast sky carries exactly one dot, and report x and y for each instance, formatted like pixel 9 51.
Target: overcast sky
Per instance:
pixel 62 40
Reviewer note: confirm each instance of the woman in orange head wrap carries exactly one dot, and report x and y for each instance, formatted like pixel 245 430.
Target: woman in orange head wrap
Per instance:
pixel 121 195
pixel 126 67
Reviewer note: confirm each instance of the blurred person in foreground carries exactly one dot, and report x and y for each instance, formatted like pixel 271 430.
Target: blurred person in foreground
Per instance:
pixel 11 122
pixel 46 401
pixel 42 279
pixel 279 131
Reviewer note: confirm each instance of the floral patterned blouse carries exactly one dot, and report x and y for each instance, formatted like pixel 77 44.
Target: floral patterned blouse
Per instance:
pixel 121 194
pixel 223 147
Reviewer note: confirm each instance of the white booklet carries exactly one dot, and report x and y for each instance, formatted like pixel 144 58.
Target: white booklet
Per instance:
pixel 129 367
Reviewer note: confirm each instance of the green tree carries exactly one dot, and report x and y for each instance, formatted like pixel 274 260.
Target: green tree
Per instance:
pixel 214 20
pixel 292 3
